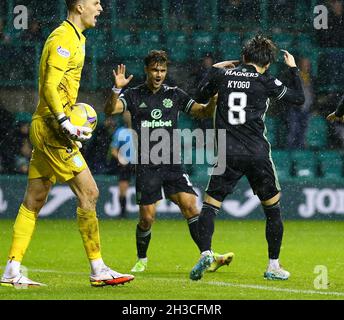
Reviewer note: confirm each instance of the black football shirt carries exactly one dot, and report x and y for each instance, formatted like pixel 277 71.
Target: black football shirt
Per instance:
pixel 243 99
pixel 152 111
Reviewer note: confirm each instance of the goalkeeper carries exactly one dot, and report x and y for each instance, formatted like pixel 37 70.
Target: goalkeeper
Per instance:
pixel 56 155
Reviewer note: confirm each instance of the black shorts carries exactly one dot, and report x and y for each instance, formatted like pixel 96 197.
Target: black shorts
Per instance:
pixel 260 173
pixel 150 180
pixel 125 173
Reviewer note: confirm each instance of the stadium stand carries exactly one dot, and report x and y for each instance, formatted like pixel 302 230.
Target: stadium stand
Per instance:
pixel 173 25
pixel 331 164
pixel 304 164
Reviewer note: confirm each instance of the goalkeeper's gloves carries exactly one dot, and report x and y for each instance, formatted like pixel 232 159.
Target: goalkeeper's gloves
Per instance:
pixel 74 132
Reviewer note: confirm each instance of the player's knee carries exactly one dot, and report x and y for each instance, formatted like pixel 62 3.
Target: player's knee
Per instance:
pixel 89 195
pixel 189 210
pixel 35 202
pixel 146 222
pixel 147 218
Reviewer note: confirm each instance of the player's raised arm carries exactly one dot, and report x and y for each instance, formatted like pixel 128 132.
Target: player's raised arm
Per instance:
pixel 227 64
pixel 202 111
pixel 293 94
pixel 207 90
pixel 114 105
pixel 338 115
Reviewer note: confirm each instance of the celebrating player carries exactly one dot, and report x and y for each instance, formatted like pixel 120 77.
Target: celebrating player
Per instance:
pixel 243 98
pixel 149 104
pixel 56 155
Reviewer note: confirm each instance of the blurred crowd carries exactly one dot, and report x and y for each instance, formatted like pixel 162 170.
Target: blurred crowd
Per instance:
pixel 15 147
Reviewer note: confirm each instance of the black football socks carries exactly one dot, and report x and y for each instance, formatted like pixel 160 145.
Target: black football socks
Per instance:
pixel 123 203
pixel 193 228
pixel 142 241
pixel 206 225
pixel 273 229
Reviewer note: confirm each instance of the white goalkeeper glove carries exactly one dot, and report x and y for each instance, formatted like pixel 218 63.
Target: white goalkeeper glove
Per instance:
pixel 74 132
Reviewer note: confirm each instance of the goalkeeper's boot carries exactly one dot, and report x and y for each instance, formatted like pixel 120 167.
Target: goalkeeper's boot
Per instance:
pixel 108 277
pixel 220 260
pixel 276 273
pixel 203 264
pixel 19 281
pixel 140 265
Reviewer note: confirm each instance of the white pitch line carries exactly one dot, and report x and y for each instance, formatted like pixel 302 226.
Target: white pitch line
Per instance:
pixel 257 287
pixel 54 271
pixel 57 271
pixel 266 288
pixel 215 283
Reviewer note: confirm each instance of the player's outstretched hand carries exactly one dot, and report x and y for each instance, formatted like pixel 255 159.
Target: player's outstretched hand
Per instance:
pixel 230 64
pixel 333 118
pixel 120 80
pixel 289 59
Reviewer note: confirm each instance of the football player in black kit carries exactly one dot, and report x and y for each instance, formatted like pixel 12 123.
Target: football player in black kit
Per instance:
pixel 154 105
pixel 243 98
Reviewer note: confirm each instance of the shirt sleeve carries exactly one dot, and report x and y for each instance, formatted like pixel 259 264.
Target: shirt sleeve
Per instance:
pixel 276 88
pixel 127 98
pixel 293 94
pixel 185 102
pixel 208 86
pixel 60 51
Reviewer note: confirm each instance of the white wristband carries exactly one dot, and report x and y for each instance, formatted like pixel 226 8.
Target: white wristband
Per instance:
pixel 116 90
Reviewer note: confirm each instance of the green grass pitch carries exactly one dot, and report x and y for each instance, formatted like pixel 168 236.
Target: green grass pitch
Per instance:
pixel 56 257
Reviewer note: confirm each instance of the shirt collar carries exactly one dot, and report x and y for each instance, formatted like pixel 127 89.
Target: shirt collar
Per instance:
pixel 76 29
pixel 249 67
pixel 150 91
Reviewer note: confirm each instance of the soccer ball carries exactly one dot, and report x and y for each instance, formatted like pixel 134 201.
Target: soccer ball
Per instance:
pixel 82 115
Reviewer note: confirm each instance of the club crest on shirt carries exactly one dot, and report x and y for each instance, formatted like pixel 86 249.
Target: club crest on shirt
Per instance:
pixel 63 52
pixel 168 103
pixel 156 114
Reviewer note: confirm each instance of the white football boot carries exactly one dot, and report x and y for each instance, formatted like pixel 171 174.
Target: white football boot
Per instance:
pixel 19 281
pixel 108 277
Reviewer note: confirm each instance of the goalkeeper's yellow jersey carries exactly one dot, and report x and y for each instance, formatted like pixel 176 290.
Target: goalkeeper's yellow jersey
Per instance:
pixel 61 64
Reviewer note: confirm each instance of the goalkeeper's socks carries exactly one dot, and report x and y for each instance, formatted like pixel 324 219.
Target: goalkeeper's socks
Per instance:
pixel 23 229
pixel 142 241
pixel 273 229
pixel 12 269
pixel 206 225
pixel 123 203
pixel 97 265
pixel 89 230
pixel 193 228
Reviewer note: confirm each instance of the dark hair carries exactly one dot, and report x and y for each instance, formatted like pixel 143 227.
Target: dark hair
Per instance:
pixel 259 50
pixel 156 56
pixel 71 4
